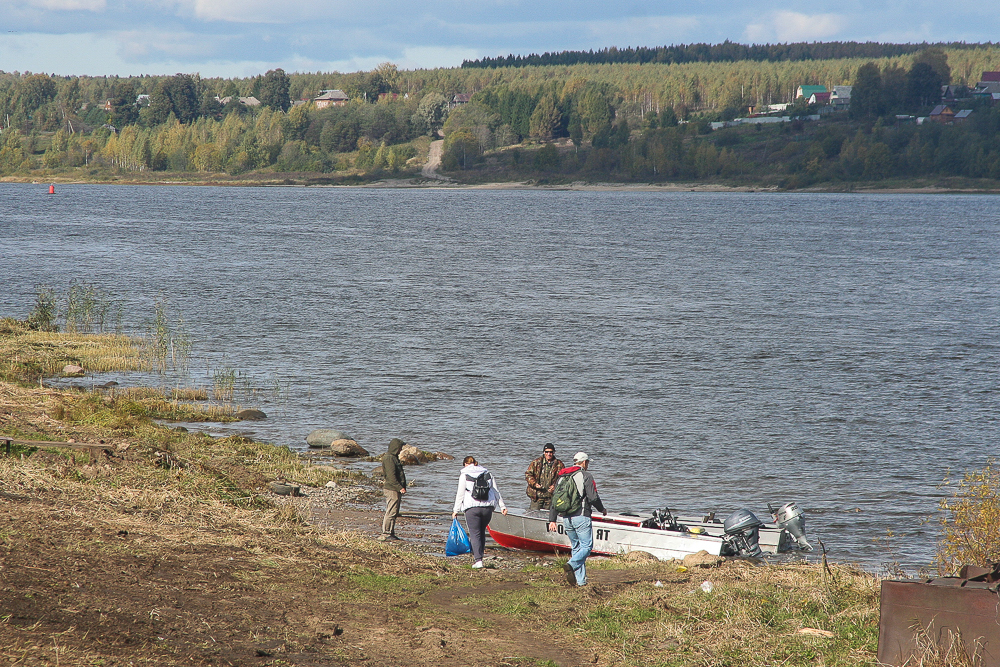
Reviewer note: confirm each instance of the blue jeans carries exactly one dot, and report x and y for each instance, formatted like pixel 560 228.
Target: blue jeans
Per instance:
pixel 581 538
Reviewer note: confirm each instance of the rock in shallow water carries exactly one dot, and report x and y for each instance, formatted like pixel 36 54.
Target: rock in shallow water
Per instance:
pixel 322 437
pixel 347 447
pixel 410 455
pixel 250 415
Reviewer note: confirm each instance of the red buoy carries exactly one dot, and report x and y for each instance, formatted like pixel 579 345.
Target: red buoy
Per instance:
pixel 52 189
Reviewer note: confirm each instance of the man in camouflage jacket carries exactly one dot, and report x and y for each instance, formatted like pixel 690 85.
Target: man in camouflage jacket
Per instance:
pixel 541 477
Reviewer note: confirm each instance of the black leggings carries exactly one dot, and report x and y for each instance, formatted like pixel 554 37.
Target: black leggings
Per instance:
pixel 477 518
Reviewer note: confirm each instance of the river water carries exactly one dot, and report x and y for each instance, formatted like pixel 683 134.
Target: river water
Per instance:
pixel 709 351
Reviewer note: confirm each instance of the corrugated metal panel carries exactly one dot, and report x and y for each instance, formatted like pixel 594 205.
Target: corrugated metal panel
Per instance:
pixel 944 610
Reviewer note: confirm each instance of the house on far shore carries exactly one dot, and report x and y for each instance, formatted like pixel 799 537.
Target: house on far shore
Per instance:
pixel 809 91
pixel 460 99
pixel 953 93
pixel 840 98
pixel 988 87
pixel 819 98
pixel 941 114
pixel 245 101
pixel 330 98
pixel 962 116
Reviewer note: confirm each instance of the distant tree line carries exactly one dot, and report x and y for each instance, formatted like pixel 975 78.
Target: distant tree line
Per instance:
pixel 878 139
pixel 624 121
pixel 727 51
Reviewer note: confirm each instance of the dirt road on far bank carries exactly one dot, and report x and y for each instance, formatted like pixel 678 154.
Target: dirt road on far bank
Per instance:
pixel 434 161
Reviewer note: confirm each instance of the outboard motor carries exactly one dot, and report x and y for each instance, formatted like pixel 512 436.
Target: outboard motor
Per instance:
pixel 789 517
pixel 742 534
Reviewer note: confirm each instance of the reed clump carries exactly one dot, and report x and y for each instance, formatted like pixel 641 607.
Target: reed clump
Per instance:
pixel 26 355
pixel 167 343
pixel 188 394
pixel 83 308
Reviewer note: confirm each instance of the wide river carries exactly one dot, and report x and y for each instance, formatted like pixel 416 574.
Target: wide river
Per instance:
pixel 709 351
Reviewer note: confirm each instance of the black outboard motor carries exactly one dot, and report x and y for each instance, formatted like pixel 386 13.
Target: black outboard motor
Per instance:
pixel 742 534
pixel 790 518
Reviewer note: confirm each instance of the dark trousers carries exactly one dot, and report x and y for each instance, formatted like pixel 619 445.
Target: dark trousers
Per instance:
pixel 477 518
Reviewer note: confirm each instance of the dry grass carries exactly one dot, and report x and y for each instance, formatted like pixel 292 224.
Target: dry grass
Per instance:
pixel 929 653
pixel 752 616
pixel 26 356
pixel 188 394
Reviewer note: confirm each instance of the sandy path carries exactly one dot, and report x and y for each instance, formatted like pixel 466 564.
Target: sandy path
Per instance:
pixel 434 161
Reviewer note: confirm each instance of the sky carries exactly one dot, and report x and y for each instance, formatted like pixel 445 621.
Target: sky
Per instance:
pixel 241 38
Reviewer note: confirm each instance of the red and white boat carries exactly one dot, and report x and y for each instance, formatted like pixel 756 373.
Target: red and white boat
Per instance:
pixel 613 534
pixel 660 534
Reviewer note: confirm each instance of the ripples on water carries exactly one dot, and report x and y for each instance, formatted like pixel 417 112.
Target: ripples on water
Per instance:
pixel 710 351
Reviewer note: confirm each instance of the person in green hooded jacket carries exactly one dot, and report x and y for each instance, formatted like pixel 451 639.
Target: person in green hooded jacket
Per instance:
pixel 394 488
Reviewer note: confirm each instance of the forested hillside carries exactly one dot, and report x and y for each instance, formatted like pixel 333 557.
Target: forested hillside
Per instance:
pixel 615 121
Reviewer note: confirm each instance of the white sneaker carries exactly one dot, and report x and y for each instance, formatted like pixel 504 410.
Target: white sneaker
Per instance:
pixel 477 565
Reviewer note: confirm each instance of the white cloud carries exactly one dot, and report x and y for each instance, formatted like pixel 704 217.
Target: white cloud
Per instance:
pixel 147 46
pixel 249 11
pixel 268 11
pixel 787 26
pixel 88 53
pixel 100 54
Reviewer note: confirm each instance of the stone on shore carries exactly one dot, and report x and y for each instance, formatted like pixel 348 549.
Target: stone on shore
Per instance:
pixel 323 437
pixel 72 369
pixel 410 455
pixel 347 447
pixel 702 559
pixel 251 415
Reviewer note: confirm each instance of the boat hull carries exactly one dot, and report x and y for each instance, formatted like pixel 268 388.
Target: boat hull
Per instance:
pixel 529 530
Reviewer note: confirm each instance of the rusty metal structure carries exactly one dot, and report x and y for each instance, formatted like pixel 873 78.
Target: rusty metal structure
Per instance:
pixel 954 613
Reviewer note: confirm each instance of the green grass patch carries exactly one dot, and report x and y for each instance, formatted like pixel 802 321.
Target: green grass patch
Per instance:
pixel 373 581
pixel 521 604
pixel 615 623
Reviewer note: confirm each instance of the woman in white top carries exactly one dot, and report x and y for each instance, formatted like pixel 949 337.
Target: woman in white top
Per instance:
pixel 477 512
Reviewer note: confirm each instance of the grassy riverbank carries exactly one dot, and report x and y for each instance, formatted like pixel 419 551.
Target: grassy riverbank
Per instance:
pixel 171 550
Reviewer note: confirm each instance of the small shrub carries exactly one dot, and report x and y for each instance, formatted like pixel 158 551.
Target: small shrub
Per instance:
pixel 971 517
pixel 43 315
pixel 547 158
